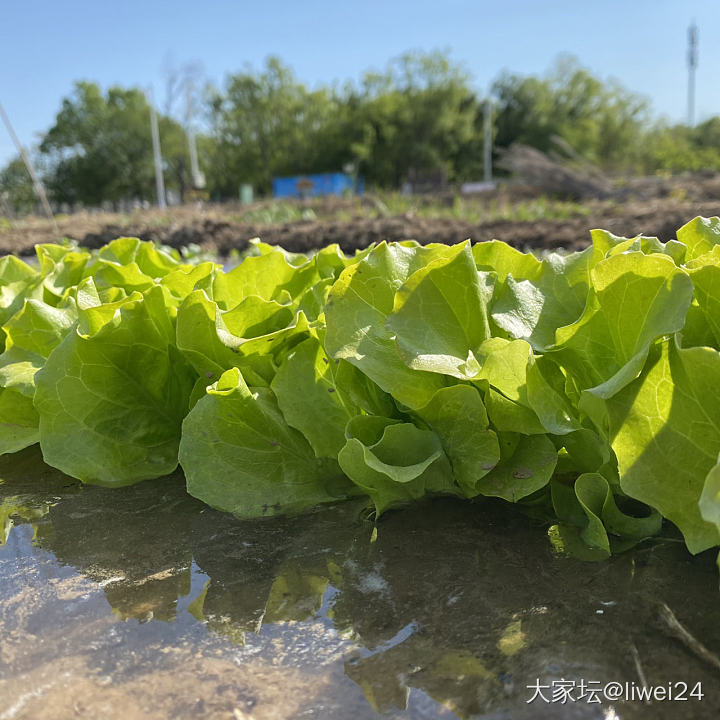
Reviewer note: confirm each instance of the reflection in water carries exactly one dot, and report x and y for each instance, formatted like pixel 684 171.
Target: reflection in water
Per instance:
pixel 465 604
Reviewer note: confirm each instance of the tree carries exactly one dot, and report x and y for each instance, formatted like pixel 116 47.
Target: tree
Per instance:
pixel 419 114
pixel 602 121
pixel 267 124
pixel 679 148
pixel 100 147
pixel 16 187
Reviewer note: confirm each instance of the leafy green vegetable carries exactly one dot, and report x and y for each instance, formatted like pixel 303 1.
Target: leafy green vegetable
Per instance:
pixel 111 400
pixel 18 421
pixel 591 505
pixel 554 295
pixel 393 461
pixel 634 299
pixel 699 236
pixel 665 431
pixel 239 454
pixel 526 465
pixel 31 335
pixel 458 417
pixel 439 316
pixel 582 386
pixel 16 279
pixel 311 397
pixel 358 307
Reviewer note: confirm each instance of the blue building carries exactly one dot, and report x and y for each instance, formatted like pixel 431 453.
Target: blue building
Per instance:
pixel 304 186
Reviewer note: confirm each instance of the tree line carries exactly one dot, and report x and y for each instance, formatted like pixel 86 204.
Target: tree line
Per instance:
pixel 420 114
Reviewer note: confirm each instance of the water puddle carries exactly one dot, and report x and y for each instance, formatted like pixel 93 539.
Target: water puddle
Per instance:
pixel 144 603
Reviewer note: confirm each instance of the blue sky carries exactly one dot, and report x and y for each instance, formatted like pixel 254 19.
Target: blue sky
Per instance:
pixel 45 45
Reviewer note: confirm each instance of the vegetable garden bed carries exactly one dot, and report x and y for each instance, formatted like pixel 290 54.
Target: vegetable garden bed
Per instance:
pixel 583 386
pixel 492 396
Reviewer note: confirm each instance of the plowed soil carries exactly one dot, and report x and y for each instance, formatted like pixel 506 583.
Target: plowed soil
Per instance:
pixel 216 232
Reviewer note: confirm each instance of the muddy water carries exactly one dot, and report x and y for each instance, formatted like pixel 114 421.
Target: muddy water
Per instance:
pixel 144 603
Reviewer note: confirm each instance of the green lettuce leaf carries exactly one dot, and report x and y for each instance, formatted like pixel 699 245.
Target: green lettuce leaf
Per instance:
pixel 394 462
pixel 268 276
pixel 61 269
pixel 700 236
pixel 240 455
pixel 526 465
pixel 546 392
pixel 502 260
pixel 16 280
pixel 18 421
pixel 705 275
pixel 605 244
pixel 306 389
pixel 458 417
pixel 665 431
pixel 439 315
pixel 635 299
pixel 709 502
pixel 591 505
pixel 111 399
pixel 356 314
pixel 31 335
pixel 531 309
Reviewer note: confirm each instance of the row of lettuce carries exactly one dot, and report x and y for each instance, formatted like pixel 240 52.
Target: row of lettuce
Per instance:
pixel 584 386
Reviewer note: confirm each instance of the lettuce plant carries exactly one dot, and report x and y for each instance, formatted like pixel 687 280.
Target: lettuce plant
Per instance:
pixel 581 386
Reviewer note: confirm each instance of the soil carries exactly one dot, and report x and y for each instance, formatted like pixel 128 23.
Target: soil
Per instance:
pixel 215 231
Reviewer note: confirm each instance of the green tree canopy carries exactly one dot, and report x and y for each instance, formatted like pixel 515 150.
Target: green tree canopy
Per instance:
pixel 101 148
pixel 16 187
pixel 421 113
pixel 602 121
pixel 267 124
pixel 679 148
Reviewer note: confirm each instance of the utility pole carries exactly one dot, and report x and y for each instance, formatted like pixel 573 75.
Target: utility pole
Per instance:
pixel 38 187
pixel 157 157
pixel 198 179
pixel 692 60
pixel 487 142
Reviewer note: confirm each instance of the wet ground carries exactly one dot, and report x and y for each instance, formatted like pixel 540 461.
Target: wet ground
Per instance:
pixel 143 603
